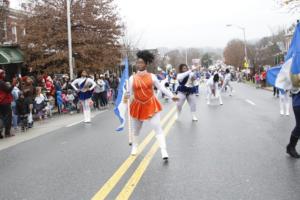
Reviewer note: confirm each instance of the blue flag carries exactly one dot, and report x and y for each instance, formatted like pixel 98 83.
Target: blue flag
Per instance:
pixel 294 51
pixel 121 107
pixel 272 74
pixel 289 73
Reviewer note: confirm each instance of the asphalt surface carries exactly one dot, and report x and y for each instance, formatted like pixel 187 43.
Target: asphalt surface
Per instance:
pixel 235 151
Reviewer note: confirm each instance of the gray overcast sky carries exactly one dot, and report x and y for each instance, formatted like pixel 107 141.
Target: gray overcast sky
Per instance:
pixel 198 23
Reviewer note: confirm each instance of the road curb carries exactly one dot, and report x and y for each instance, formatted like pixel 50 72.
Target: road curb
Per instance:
pixel 263 88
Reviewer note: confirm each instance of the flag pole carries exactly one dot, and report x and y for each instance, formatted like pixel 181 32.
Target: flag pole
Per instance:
pixel 128 117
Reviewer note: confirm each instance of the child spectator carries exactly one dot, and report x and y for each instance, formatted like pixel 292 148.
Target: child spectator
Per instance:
pixel 15 93
pixel 50 105
pixel 22 110
pixel 59 101
pixel 70 101
pixel 40 102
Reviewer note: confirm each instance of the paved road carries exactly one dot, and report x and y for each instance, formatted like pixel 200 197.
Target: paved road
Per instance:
pixel 235 151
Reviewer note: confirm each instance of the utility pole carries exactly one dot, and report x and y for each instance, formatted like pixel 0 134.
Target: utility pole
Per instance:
pixel 186 56
pixel 70 39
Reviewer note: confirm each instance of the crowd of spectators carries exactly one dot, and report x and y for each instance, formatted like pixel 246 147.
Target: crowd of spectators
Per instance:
pixel 30 98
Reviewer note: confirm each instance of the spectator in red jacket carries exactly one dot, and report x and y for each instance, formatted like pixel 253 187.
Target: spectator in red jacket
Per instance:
pixel 6 99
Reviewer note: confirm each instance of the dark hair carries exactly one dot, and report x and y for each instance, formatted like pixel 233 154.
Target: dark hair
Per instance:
pixel 181 66
pixel 216 78
pixel 80 72
pixel 227 71
pixel 146 56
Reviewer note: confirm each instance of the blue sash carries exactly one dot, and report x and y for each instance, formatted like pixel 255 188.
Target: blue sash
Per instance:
pixel 84 95
pixel 184 89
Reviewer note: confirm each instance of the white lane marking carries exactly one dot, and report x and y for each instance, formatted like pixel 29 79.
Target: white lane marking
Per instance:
pixel 75 123
pixel 250 102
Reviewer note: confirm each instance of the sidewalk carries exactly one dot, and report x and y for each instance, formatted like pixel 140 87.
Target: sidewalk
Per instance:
pixel 264 88
pixel 44 127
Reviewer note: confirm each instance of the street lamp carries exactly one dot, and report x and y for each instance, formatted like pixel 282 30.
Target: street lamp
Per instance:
pixel 186 56
pixel 70 39
pixel 245 43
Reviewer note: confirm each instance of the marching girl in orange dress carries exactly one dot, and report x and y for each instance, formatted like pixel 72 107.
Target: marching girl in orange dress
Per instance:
pixel 144 105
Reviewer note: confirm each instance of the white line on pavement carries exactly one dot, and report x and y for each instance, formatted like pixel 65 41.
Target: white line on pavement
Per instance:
pixel 250 102
pixel 73 124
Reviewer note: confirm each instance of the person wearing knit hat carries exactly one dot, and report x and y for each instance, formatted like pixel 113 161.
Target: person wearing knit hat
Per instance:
pixel 5 104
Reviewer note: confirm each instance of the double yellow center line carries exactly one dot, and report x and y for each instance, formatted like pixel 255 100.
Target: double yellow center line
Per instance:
pixel 133 181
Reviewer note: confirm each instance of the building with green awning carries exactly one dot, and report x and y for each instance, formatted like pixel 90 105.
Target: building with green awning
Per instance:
pixel 10 55
pixel 11 60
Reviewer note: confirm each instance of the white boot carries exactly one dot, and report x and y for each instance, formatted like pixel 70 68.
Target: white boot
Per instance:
pixel 208 101
pixel 220 100
pixel 230 93
pixel 163 147
pixel 134 146
pixel 194 118
pixel 164 154
pixel 88 116
pixel 134 149
pixel 287 107
pixel 281 108
pixel 84 116
pixel 177 114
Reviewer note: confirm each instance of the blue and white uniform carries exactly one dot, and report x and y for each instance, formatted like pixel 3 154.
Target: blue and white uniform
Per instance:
pixel 187 91
pixel 84 86
pixel 213 90
pixel 226 82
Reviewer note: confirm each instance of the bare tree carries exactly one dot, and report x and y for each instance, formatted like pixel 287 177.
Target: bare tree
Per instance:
pixel 234 53
pixel 290 5
pixel 96 29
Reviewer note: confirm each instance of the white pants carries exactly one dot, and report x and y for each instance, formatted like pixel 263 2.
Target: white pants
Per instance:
pixel 217 95
pixel 227 83
pixel 86 110
pixel 284 103
pixel 155 123
pixel 191 99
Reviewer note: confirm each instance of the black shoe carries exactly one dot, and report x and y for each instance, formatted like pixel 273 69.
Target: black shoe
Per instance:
pixel 292 151
pixel 291 147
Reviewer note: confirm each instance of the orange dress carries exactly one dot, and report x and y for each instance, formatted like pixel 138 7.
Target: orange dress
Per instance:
pixel 145 104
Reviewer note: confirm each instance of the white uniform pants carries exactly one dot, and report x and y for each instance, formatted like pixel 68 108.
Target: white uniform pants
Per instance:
pixel 191 99
pixel 155 123
pixel 211 95
pixel 284 103
pixel 86 110
pixel 227 83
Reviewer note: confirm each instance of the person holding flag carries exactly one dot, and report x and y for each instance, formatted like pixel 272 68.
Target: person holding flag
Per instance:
pixel 144 105
pixel 287 77
pixel 121 106
pixel 84 86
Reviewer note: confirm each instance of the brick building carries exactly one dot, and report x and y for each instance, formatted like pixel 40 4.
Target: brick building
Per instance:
pixel 11 27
